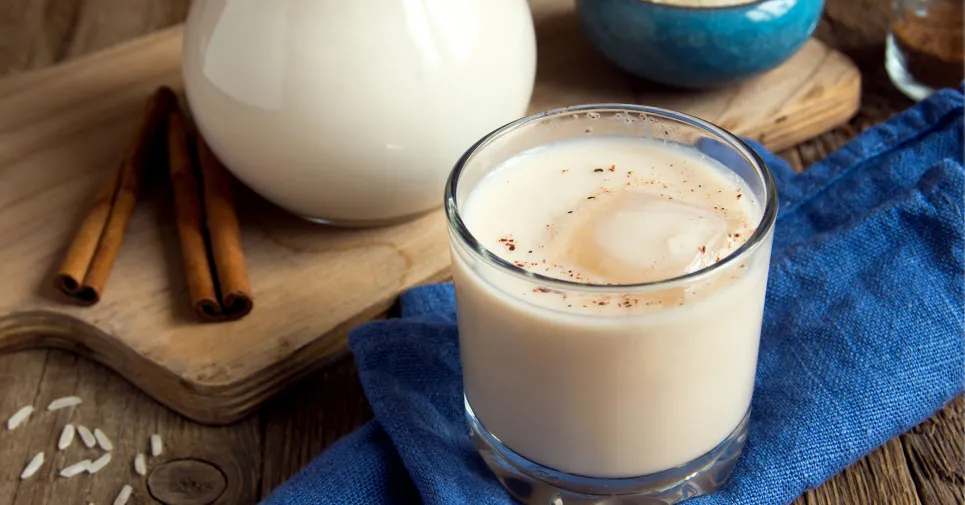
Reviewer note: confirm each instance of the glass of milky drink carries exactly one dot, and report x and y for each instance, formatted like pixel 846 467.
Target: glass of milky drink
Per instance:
pixel 610 265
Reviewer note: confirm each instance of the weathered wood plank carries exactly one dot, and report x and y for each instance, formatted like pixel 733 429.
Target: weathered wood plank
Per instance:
pixel 20 377
pixel 129 418
pixel 308 418
pixel 104 23
pixel 935 451
pixel 20 23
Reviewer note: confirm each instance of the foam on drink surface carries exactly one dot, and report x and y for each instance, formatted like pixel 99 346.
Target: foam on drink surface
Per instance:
pixel 612 211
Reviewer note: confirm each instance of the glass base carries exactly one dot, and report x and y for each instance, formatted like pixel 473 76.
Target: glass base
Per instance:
pixel 899 75
pixel 534 484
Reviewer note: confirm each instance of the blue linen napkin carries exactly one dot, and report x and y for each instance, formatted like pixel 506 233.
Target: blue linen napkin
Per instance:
pixel 862 336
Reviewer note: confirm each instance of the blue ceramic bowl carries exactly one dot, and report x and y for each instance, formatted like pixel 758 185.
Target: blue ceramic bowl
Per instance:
pixel 698 47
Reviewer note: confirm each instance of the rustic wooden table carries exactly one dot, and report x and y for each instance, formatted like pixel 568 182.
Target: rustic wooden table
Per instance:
pixel 250 458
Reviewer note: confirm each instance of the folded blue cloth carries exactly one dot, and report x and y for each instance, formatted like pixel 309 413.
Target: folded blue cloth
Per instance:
pixel 862 337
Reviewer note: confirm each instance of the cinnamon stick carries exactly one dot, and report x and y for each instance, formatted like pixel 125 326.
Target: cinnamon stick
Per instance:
pixel 87 265
pixel 225 234
pixel 208 229
pixel 81 251
pixel 190 222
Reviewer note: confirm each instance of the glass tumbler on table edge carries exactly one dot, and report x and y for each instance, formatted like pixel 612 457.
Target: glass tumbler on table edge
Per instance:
pixel 925 50
pixel 569 405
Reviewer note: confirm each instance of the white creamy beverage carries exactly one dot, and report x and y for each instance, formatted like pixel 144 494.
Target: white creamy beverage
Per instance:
pixel 630 381
pixel 354 111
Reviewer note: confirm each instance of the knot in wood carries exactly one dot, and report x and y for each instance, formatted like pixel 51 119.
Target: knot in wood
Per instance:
pixel 187 482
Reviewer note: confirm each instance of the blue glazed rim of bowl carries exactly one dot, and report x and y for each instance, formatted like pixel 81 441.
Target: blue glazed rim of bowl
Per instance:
pixel 739 4
pixel 653 39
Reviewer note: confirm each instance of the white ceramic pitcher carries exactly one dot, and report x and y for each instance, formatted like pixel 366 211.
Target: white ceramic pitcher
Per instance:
pixel 354 112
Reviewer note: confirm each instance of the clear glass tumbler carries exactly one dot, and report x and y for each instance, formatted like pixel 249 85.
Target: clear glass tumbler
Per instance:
pixel 568 406
pixel 925 46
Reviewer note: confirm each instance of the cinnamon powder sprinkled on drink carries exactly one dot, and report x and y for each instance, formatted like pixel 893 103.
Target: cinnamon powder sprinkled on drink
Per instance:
pixel 509 242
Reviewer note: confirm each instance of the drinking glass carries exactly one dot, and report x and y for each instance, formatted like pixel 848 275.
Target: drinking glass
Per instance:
pixel 568 406
pixel 925 47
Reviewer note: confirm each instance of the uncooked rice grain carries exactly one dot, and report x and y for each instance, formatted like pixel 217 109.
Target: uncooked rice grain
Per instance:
pixel 19 417
pixel 66 437
pixel 103 441
pixel 140 466
pixel 124 495
pixel 33 466
pixel 85 434
pixel 157 446
pixel 99 464
pixel 75 469
pixel 62 403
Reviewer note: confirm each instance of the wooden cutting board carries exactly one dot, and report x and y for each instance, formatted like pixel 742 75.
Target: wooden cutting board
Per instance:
pixel 62 128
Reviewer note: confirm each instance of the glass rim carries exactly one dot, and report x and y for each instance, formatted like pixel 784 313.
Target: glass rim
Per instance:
pixel 458 227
